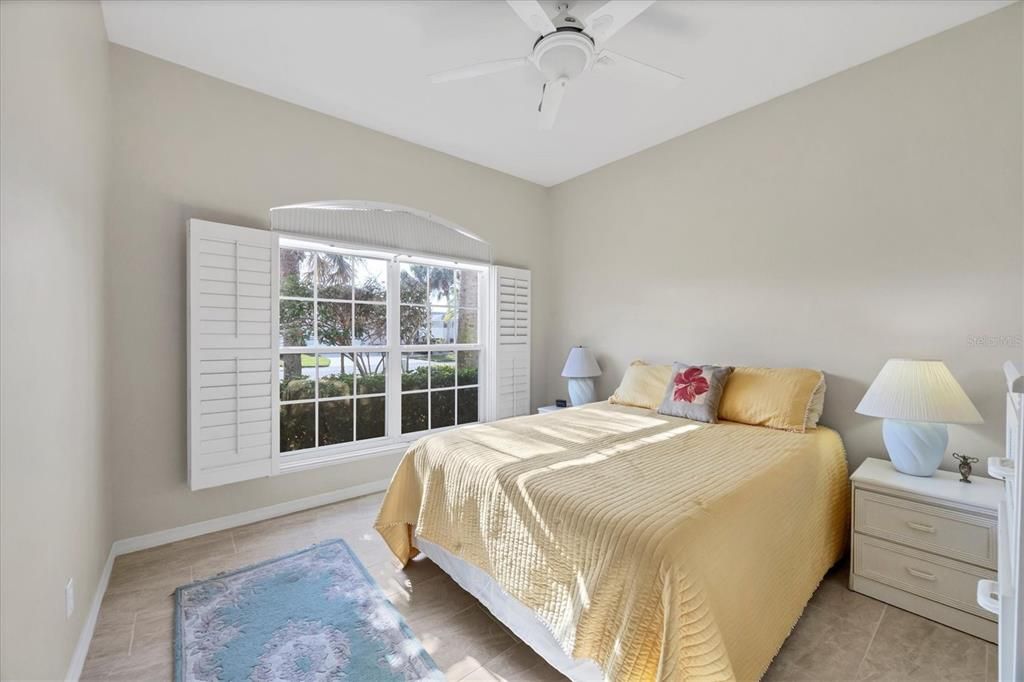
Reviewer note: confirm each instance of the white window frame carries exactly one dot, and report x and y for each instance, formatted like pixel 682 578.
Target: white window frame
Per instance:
pixel 430 347
pixel 394 439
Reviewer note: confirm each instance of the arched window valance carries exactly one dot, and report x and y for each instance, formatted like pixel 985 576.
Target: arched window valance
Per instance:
pixel 378 225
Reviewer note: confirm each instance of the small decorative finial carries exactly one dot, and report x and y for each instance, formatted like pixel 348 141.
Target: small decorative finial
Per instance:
pixel 965 466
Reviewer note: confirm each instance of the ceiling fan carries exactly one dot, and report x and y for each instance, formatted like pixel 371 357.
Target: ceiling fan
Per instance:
pixel 567 48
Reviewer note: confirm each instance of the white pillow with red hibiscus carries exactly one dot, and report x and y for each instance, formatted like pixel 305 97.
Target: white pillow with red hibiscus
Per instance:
pixel 694 391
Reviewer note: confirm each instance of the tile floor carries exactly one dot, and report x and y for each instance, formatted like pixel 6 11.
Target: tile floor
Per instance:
pixel 841 636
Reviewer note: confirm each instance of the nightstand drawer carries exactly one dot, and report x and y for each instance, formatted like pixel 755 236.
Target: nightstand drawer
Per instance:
pixel 945 581
pixel 954 534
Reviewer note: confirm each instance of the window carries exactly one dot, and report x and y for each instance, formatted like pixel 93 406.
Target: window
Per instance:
pixel 349 320
pixel 440 346
pixel 302 352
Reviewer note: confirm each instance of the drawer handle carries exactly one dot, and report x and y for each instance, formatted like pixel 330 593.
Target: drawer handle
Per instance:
pixel 920 574
pixel 923 527
pixel 988 595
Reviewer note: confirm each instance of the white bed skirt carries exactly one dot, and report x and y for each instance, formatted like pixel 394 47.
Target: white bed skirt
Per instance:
pixel 514 614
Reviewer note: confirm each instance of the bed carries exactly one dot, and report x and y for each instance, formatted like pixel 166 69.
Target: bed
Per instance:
pixel 622 544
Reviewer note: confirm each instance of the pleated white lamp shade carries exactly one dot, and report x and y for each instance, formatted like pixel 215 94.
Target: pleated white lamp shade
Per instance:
pixel 918 391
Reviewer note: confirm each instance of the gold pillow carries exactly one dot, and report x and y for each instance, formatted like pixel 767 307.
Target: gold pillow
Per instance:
pixel 776 398
pixel 817 405
pixel 642 385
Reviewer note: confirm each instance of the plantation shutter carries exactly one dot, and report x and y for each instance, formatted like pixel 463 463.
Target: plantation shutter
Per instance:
pixel 511 331
pixel 232 333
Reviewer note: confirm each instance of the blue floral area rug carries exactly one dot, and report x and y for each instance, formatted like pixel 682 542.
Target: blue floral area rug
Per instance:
pixel 312 615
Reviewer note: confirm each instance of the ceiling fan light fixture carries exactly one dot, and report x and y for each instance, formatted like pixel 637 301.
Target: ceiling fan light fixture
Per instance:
pixel 565 54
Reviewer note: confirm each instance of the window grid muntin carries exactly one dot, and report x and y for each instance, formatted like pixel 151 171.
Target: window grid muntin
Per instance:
pixel 354 396
pixel 352 301
pixel 316 350
pixel 392 352
pixel 454 388
pixel 429 306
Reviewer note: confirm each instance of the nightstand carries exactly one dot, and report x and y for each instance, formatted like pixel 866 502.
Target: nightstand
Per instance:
pixel 549 408
pixel 922 544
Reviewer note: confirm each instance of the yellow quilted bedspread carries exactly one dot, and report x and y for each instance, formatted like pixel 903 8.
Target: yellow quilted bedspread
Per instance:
pixel 661 548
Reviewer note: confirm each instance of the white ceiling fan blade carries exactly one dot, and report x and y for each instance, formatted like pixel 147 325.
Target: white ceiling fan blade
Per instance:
pixel 533 15
pixel 609 18
pixel 478 70
pixel 639 70
pixel 551 102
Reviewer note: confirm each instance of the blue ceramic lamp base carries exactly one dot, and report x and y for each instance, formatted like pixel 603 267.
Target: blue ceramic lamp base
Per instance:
pixel 581 391
pixel 915 448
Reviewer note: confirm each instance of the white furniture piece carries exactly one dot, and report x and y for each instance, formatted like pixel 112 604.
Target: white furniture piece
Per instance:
pixel 1003 596
pixel 922 544
pixel 580 368
pixel 549 408
pixel 917 398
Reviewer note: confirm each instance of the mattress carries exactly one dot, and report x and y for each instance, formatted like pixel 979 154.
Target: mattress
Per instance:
pixel 654 547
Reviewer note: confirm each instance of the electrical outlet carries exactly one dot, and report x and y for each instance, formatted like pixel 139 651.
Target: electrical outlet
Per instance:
pixel 69 598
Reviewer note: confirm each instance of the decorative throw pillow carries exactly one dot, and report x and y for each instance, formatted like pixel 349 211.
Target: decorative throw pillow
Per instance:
pixel 642 385
pixel 817 404
pixel 693 392
pixel 779 398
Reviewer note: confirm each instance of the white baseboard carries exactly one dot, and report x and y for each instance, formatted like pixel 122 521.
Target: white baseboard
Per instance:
pixel 162 537
pixel 85 638
pixel 192 530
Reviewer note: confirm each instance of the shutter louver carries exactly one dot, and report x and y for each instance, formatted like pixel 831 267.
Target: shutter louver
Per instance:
pixel 231 353
pixel 512 294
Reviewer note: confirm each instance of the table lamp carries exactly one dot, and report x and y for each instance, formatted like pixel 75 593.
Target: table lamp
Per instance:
pixel 916 399
pixel 580 368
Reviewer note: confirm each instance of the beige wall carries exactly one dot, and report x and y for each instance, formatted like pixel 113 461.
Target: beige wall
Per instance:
pixel 191 146
pixel 871 215
pixel 56 521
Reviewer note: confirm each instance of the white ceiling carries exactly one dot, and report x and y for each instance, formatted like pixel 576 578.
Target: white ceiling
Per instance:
pixel 368 62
